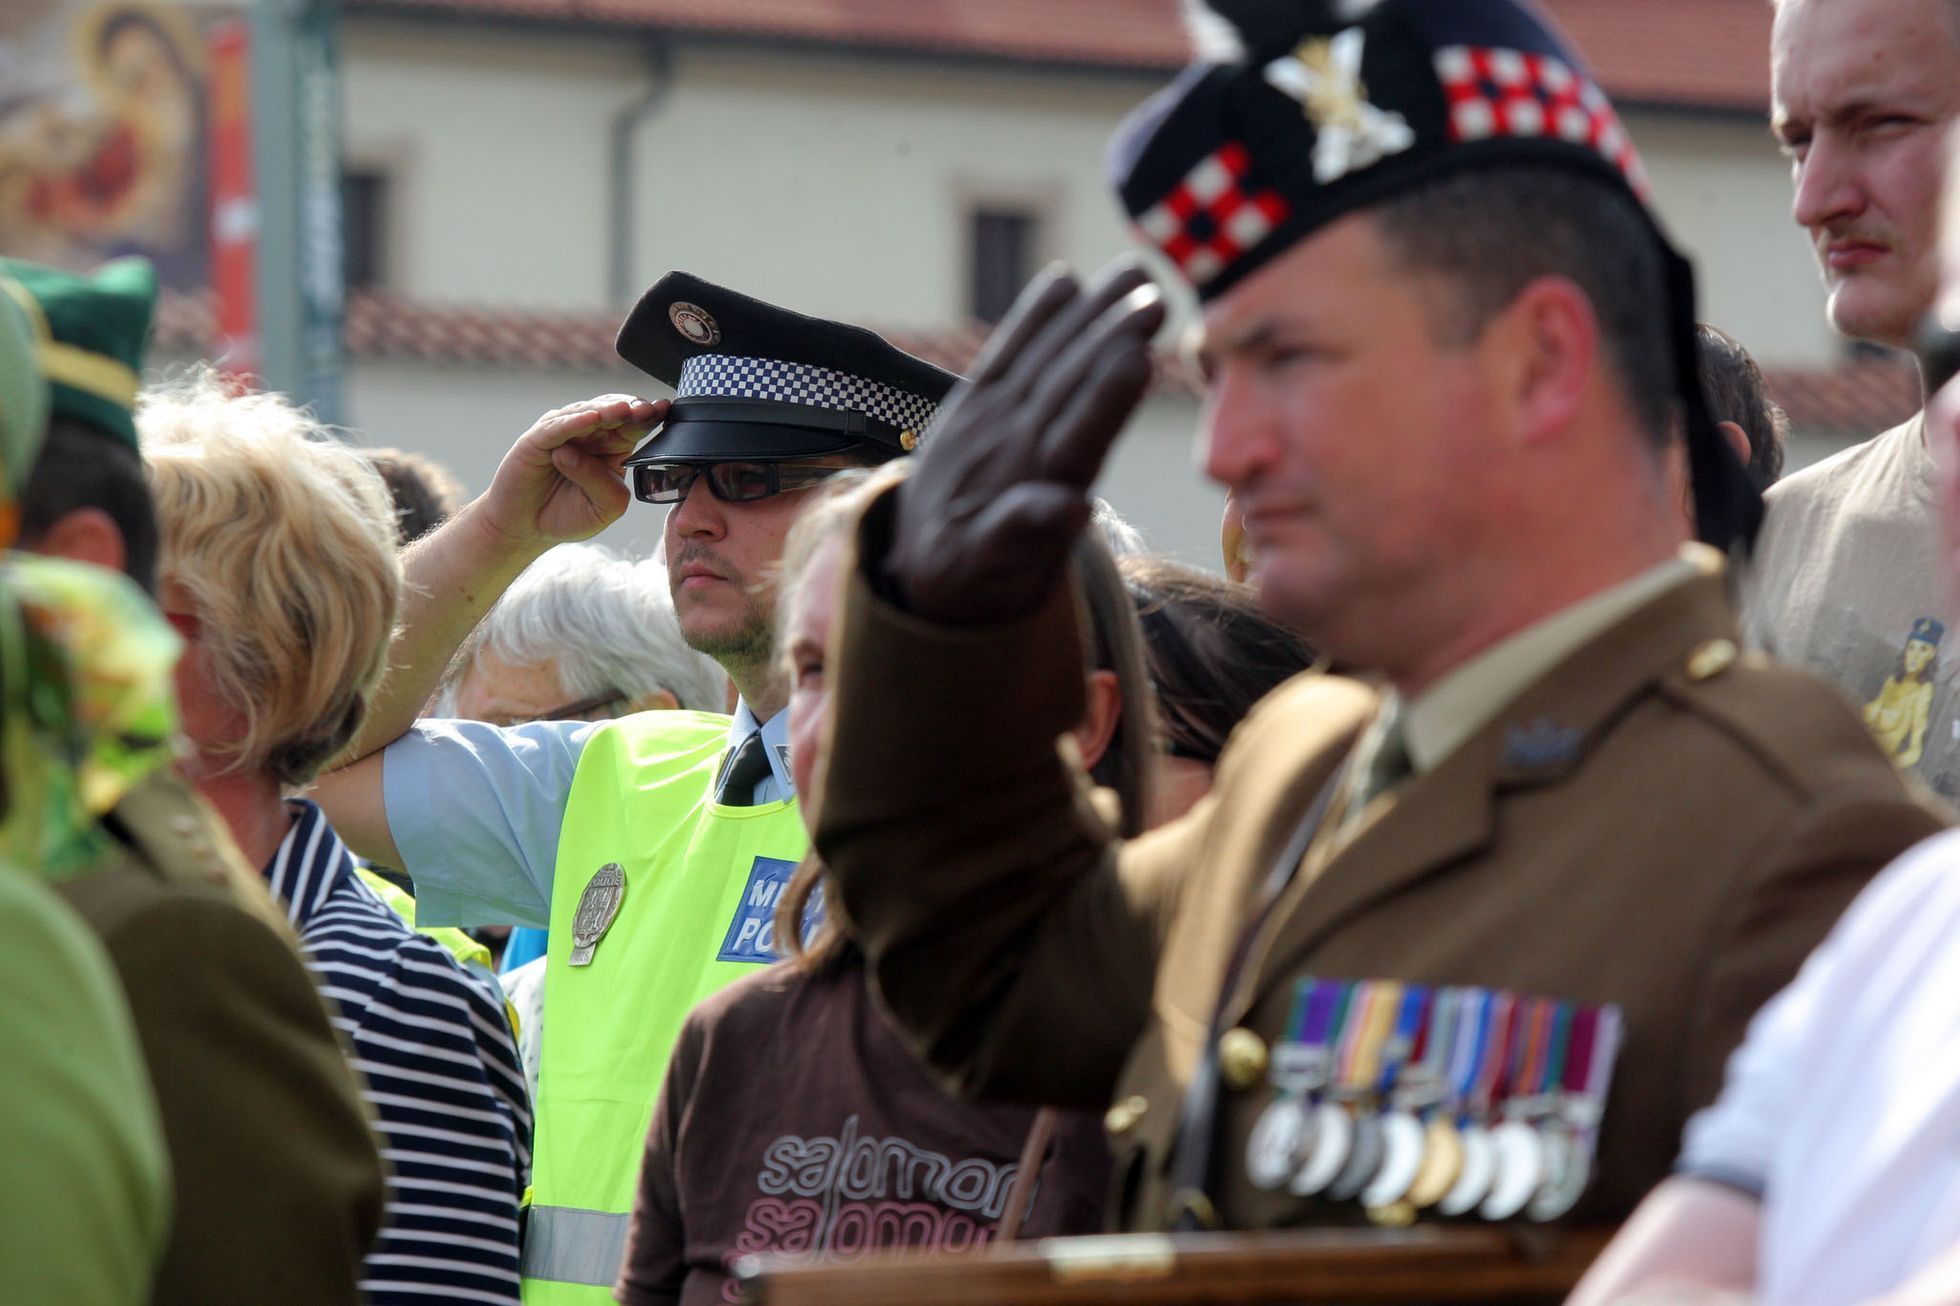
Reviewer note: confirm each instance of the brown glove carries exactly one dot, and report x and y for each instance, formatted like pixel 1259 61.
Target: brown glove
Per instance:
pixel 982 528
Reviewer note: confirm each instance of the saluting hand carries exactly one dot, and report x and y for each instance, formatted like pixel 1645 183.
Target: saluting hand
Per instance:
pixel 984 524
pixel 563 479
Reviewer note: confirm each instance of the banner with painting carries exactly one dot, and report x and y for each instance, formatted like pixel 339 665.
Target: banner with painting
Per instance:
pixel 102 133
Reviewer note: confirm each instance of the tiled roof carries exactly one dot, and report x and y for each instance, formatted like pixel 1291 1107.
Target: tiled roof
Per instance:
pixel 1706 53
pixel 1857 399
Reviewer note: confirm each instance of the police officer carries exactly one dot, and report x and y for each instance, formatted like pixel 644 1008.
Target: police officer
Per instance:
pixel 253 1092
pixel 652 846
pixel 1386 967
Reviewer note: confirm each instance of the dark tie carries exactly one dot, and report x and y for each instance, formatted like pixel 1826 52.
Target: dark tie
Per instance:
pixel 747 767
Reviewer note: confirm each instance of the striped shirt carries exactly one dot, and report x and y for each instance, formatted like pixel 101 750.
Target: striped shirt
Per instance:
pixel 440 1069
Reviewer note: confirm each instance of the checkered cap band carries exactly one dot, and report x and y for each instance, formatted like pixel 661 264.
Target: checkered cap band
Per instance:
pixel 1212 216
pixel 729 376
pixel 1508 93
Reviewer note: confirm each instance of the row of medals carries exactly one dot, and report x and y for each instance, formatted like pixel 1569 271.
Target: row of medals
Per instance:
pixel 1406 1097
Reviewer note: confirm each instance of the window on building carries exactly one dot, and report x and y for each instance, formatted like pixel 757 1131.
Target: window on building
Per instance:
pixel 1003 248
pixel 364 227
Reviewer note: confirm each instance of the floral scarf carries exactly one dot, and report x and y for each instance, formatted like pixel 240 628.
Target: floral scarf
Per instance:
pixel 87 707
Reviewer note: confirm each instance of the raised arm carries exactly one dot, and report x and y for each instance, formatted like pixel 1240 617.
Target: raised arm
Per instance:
pixel 979 879
pixel 561 481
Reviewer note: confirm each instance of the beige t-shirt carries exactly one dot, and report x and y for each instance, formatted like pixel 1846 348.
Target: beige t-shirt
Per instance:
pixel 1847 580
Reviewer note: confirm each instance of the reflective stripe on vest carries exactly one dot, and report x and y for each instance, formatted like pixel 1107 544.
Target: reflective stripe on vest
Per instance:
pixel 573 1246
pixel 700 886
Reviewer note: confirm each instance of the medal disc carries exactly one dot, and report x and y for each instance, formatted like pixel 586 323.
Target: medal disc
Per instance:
pixel 1442 1161
pixel 1277 1142
pixel 1520 1169
pixel 1333 1129
pixel 1404 1143
pixel 1474 1176
pixel 1364 1159
pixel 1567 1168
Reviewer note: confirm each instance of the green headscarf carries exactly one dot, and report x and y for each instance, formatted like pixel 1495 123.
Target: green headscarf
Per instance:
pixel 87 704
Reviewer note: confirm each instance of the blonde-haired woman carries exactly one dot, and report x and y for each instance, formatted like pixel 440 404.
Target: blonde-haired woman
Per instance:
pixel 279 569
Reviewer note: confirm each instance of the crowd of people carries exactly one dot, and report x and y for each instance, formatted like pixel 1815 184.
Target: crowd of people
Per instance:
pixel 1539 820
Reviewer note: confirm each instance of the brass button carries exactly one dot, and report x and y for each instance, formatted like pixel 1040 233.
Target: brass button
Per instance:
pixel 1711 659
pixel 1125 1115
pixel 1241 1058
pixel 908 440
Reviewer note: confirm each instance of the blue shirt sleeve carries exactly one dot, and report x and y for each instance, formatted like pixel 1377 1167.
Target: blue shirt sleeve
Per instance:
pixel 475 812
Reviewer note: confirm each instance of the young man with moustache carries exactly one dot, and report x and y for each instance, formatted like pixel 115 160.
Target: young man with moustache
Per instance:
pixel 653 846
pixel 1847 568
pixel 1829 1168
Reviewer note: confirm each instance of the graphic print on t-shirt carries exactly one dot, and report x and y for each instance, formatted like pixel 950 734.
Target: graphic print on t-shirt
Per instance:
pixel 850 1195
pixel 1900 682
pixel 1901 713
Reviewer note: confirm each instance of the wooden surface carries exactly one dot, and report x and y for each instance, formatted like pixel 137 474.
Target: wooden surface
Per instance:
pixel 1422 1264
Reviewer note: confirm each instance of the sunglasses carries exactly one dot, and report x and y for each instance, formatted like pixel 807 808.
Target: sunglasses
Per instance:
pixel 1937 346
pixel 729 482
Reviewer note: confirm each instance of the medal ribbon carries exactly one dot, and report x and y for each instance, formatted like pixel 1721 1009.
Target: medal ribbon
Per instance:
pixel 1369 1029
pixel 1578 1065
pixel 1408 1028
pixel 1305 989
pixel 1438 1033
pixel 1530 1071
pixel 1468 1053
pixel 1606 1049
pixel 1322 1008
pixel 1504 1018
pixel 1555 1058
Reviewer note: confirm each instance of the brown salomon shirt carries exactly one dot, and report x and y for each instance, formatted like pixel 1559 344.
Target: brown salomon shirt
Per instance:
pixel 794 1119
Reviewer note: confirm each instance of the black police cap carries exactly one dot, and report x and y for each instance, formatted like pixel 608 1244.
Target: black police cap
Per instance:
pixel 754 381
pixel 1322 108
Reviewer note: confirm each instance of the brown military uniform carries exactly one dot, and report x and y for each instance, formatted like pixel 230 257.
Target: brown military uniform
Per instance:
pixel 1697 828
pixel 277 1181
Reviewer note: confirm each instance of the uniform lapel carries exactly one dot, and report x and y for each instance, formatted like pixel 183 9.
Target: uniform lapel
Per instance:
pixel 1449 813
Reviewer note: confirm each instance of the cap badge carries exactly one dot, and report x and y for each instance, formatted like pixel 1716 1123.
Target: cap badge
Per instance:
pixel 1324 75
pixel 908 439
pixel 695 323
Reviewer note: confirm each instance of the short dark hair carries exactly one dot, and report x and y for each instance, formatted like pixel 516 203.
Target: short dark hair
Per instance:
pixel 425 492
pixel 1211 651
pixel 1737 393
pixel 82 466
pixel 1492 231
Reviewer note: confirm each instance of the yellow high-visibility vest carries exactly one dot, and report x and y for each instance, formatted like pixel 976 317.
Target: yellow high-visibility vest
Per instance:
pixel 471 954
pixel 695 911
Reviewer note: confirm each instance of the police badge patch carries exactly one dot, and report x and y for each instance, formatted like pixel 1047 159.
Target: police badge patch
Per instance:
pixel 597 908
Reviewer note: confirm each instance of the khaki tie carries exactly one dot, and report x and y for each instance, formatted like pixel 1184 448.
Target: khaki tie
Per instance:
pixel 1383 769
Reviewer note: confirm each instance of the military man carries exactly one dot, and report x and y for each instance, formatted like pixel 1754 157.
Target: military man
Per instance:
pixel 86 1210
pixel 1386 966
pixel 277 1182
pixel 652 846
